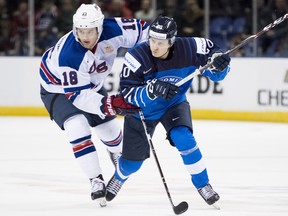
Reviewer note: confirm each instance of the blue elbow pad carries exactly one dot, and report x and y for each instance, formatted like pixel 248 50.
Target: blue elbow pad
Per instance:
pixel 216 75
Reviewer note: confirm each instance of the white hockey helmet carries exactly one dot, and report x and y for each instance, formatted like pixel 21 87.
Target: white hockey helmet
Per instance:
pixel 88 16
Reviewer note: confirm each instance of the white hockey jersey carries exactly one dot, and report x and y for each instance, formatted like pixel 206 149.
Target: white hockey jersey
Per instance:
pixel 71 69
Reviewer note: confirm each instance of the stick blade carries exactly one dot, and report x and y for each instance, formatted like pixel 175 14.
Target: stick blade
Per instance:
pixel 181 208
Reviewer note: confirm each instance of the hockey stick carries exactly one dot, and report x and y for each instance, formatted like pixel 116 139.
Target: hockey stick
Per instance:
pixel 183 206
pixel 244 42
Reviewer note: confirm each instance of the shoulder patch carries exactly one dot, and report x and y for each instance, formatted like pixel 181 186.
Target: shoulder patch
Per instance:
pixel 131 62
pixel 203 45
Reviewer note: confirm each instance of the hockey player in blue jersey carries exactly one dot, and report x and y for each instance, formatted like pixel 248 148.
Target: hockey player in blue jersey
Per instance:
pixel 72 75
pixel 147 80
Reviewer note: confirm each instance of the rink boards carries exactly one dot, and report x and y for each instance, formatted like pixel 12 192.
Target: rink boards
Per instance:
pixel 255 89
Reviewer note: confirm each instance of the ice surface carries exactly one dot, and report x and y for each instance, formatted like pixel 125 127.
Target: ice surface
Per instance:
pixel 246 161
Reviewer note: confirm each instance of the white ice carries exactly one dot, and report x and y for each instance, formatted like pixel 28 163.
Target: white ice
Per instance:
pixel 247 164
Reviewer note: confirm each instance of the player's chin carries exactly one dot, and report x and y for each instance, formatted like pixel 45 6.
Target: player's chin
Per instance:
pixel 156 54
pixel 87 45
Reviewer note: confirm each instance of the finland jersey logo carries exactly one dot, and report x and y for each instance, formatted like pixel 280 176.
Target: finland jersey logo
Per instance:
pixel 170 79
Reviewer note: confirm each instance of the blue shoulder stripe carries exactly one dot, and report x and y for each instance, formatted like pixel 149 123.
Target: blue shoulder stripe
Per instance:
pixel 111 29
pixel 75 89
pixel 72 53
pixel 45 73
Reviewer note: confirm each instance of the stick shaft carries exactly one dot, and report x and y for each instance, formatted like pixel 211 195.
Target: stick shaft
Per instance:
pixel 155 156
pixel 244 42
pixel 264 30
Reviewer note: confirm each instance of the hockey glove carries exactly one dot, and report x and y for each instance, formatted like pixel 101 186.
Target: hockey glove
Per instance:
pixel 220 61
pixel 162 89
pixel 115 105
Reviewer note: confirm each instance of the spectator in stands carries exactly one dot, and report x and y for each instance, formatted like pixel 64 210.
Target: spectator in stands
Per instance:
pixel 146 11
pixel 20 29
pixel 44 18
pixel 4 28
pixel 3 7
pixel 6 45
pixel 12 6
pixel 85 2
pixel 263 18
pixel 282 47
pixel 46 15
pixel 271 43
pixel 63 22
pixel 191 21
pixel 118 8
pixel 45 39
pixel 235 40
pixel 134 5
pixel 172 9
pixel 228 8
pixel 217 8
pixel 278 35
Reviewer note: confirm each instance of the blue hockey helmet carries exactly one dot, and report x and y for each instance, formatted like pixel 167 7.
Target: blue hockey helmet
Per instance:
pixel 163 28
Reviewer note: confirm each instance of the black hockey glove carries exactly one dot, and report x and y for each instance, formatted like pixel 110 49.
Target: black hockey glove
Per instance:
pixel 115 105
pixel 220 61
pixel 162 89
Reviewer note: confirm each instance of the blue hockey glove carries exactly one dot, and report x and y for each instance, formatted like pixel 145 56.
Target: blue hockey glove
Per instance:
pixel 162 89
pixel 220 61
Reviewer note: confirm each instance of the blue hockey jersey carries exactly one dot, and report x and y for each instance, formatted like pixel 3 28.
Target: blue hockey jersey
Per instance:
pixel 186 55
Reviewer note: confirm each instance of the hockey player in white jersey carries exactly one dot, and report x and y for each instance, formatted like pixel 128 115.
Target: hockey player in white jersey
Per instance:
pixel 71 76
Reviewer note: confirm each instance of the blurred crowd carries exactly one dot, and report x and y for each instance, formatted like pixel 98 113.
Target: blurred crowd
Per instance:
pixel 230 22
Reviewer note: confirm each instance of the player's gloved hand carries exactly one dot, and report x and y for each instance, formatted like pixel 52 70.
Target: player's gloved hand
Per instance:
pixel 115 105
pixel 220 61
pixel 162 89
